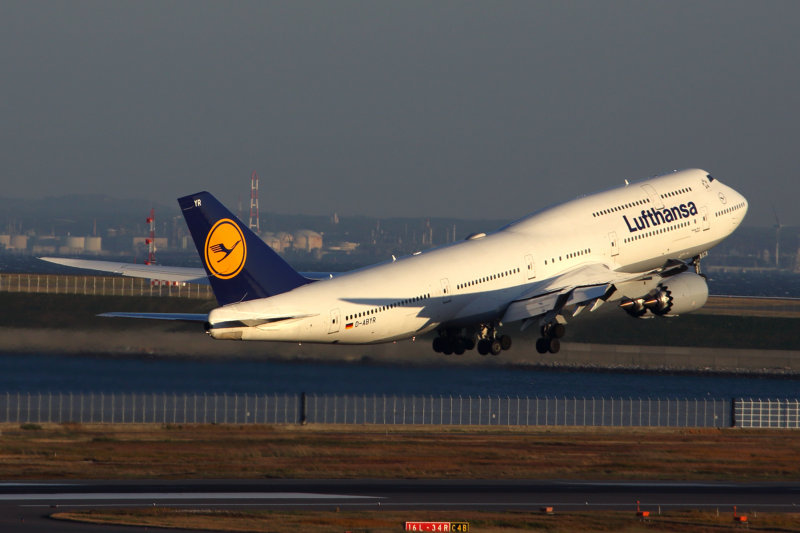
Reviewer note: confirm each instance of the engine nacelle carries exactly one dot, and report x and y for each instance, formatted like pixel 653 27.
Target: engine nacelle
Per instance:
pixel 675 295
pixel 678 294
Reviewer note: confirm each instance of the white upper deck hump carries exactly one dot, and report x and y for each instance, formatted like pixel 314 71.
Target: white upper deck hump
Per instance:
pixel 648 192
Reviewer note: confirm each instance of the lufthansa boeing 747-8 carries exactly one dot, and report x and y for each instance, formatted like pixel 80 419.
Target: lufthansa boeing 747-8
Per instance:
pixel 638 245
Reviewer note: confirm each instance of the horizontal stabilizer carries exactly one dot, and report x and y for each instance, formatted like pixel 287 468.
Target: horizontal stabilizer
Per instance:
pixel 180 317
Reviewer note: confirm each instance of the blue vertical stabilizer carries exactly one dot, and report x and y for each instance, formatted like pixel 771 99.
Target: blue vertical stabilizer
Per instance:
pixel 240 266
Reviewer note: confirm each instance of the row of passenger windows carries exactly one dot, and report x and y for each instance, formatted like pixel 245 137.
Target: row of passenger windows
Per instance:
pixel 376 310
pixel 571 255
pixel 676 193
pixel 730 209
pixel 487 278
pixel 620 207
pixel 657 231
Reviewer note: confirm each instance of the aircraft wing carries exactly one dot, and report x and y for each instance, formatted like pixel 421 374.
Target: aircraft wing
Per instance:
pixel 170 273
pixel 135 270
pixel 585 286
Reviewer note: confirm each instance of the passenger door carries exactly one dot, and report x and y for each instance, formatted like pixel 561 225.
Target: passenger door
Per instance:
pixel 612 237
pixel 529 268
pixel 446 297
pixel 334 321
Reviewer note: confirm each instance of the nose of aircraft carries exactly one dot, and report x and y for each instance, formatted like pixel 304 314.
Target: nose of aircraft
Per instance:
pixel 741 200
pixel 738 200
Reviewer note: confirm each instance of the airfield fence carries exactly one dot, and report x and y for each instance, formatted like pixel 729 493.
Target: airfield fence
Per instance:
pixel 768 413
pixel 102 286
pixel 189 408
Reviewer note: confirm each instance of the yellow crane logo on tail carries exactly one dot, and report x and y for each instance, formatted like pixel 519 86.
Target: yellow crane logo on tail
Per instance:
pixel 226 249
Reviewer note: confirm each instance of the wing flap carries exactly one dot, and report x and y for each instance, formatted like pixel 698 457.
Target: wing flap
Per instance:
pixel 538 305
pixel 582 286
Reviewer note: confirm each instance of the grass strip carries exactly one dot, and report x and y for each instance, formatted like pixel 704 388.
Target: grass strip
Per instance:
pixel 151 451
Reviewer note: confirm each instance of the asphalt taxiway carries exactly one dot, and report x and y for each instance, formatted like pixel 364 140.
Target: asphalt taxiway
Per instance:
pixel 26 507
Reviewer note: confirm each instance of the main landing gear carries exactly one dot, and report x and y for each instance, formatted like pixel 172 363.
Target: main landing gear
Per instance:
pixel 549 341
pixel 696 262
pixel 486 339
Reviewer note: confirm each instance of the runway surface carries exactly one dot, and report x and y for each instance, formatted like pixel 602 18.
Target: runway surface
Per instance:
pixel 25 507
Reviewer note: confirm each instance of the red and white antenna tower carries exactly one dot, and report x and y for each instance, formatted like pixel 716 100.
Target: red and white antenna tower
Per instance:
pixel 254 203
pixel 151 241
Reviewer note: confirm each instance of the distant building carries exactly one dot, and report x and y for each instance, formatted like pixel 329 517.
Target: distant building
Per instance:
pixel 307 240
pixel 343 247
pixel 19 242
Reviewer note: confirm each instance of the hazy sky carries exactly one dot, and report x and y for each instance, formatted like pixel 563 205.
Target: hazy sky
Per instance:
pixel 471 109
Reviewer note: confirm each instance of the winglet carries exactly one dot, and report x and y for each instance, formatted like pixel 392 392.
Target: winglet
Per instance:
pixel 239 264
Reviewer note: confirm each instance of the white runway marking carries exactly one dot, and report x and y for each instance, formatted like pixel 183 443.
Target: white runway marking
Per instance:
pixel 157 496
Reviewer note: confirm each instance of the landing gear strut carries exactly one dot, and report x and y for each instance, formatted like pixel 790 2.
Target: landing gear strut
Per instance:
pixel 696 262
pixel 457 341
pixel 549 341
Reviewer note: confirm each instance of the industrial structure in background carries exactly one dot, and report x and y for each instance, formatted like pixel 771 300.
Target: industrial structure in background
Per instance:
pixel 151 241
pixel 254 224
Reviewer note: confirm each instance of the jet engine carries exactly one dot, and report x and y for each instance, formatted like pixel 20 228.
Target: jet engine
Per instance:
pixel 675 295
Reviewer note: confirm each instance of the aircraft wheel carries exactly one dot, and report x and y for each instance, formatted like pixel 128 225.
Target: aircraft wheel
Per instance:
pixel 558 331
pixel 437 345
pixel 505 342
pixel 459 346
pixel 447 345
pixel 484 346
pixel 496 348
pixel 469 344
pixel 554 345
pixel 542 345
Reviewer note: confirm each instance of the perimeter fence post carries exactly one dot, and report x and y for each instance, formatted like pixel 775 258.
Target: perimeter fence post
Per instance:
pixel 585 410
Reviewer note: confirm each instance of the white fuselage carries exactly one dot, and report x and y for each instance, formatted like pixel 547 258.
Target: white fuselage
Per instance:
pixel 632 228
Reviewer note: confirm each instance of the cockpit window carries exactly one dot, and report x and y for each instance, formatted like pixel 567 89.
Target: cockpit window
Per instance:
pixel 710 177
